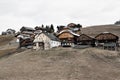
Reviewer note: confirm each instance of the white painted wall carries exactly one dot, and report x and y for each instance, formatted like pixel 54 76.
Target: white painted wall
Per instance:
pixel 55 43
pixel 48 42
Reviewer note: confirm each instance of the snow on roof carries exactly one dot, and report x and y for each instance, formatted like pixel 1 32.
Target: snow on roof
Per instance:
pixel 38 31
pixel 23 36
pixel 68 31
pixel 27 32
pixel 106 32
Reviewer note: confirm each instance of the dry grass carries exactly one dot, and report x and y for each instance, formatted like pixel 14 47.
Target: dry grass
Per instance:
pixel 94 30
pixel 61 64
pixel 4 39
pixel 6 52
pixel 8 45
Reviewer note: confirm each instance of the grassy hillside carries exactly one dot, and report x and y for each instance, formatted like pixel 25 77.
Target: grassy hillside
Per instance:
pixel 4 39
pixel 94 30
pixel 8 45
pixel 61 64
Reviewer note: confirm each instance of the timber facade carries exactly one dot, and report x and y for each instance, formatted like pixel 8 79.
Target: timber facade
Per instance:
pixel 67 38
pixel 84 39
pixel 107 40
pixel 25 37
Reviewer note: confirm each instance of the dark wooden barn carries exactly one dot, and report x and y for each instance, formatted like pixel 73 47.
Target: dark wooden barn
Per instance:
pixel 25 42
pixel 107 40
pixel 27 29
pixel 107 37
pixel 84 39
pixel 26 37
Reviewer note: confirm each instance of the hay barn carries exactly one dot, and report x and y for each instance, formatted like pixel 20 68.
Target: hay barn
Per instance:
pixel 67 38
pixel 107 37
pixel 25 40
pixel 27 29
pixel 84 39
pixel 107 40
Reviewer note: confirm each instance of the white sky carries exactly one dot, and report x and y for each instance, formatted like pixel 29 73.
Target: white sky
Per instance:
pixel 17 13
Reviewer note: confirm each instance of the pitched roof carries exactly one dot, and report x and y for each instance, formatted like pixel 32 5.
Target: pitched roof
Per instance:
pixel 84 37
pixel 69 32
pixel 27 32
pixel 106 36
pixel 51 36
pixel 24 36
pixel 38 31
pixel 71 25
pixel 27 28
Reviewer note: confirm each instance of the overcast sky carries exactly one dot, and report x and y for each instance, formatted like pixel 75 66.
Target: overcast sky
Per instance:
pixel 17 13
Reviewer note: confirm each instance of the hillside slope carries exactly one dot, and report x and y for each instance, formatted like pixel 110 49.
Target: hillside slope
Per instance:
pixel 94 30
pixel 8 44
pixel 61 64
pixel 5 39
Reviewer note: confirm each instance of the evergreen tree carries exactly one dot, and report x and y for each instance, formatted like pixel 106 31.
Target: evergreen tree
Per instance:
pixel 79 26
pixel 58 28
pixel 52 28
pixel 47 29
pixel 42 26
pixel 117 22
pixel 61 28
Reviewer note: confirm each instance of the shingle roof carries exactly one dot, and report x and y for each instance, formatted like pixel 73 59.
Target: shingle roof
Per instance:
pixel 51 36
pixel 84 37
pixel 106 36
pixel 27 28
pixel 69 32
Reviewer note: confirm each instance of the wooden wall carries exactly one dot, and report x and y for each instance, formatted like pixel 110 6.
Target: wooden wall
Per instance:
pixel 65 35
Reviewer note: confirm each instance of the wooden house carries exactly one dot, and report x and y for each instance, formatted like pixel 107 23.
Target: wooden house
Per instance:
pixel 84 39
pixel 25 37
pixel 67 37
pixel 28 29
pixel 9 31
pixel 106 37
pixel 107 40
pixel 24 40
pixel 71 25
pixel 76 28
pixel 45 41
